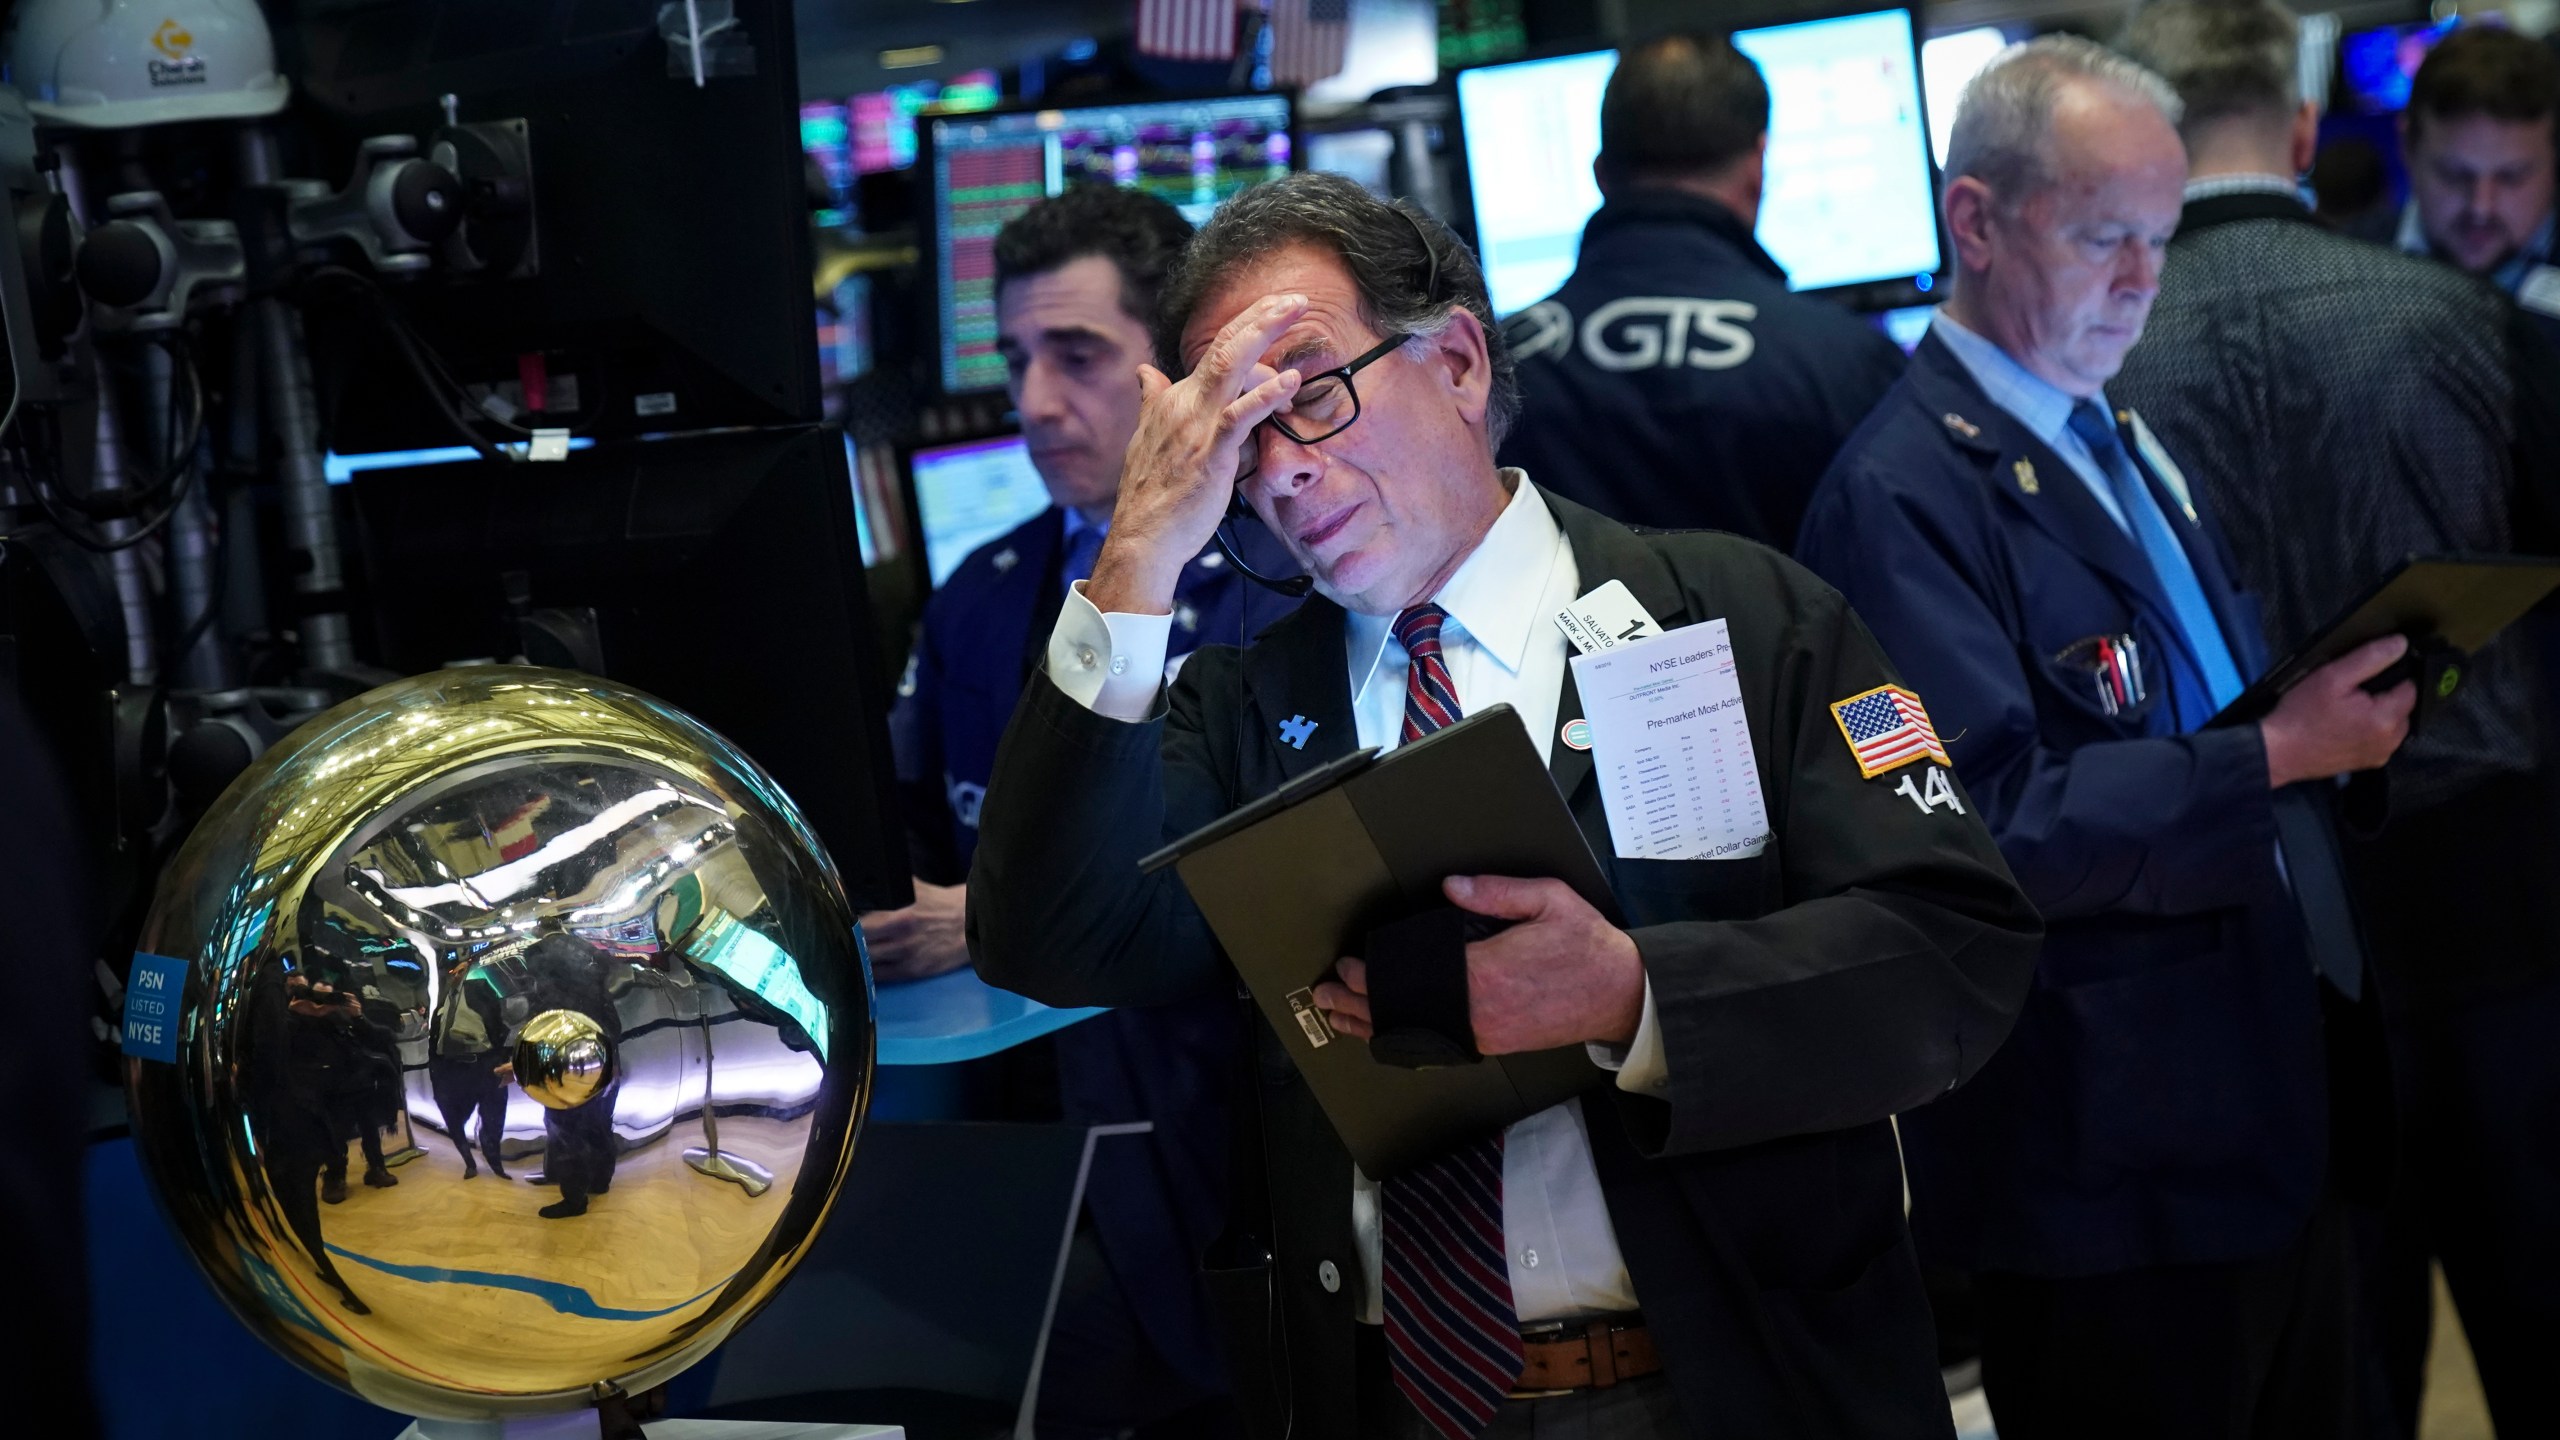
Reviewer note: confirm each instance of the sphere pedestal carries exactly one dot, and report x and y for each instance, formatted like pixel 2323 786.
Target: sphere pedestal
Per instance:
pixel 583 1427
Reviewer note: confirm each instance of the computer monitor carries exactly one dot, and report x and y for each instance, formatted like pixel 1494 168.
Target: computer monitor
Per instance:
pixel 1948 63
pixel 968 494
pixel 1850 201
pixel 1366 155
pixel 2380 65
pixel 1532 128
pixel 984 169
pixel 718 572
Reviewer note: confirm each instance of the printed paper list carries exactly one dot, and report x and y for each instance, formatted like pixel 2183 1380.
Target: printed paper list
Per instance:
pixel 1672 748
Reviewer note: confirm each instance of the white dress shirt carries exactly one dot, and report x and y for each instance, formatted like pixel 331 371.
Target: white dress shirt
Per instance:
pixel 1502 646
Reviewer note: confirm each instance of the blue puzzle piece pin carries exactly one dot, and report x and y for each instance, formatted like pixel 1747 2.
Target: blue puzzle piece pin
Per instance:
pixel 1295 731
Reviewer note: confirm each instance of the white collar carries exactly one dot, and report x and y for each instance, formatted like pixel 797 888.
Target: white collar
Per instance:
pixel 1494 596
pixel 2214 187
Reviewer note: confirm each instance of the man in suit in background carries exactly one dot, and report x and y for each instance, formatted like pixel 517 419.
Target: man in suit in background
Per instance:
pixel 2344 407
pixel 1727 1213
pixel 2140 1178
pixel 1675 381
pixel 1076 277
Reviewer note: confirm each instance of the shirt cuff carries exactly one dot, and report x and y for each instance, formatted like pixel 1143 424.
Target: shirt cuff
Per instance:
pixel 1109 664
pixel 1642 1066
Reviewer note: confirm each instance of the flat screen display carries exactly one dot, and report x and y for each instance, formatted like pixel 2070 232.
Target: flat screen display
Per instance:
pixel 986 169
pixel 1532 130
pixel 969 494
pixel 1948 63
pixel 2381 64
pixel 1849 198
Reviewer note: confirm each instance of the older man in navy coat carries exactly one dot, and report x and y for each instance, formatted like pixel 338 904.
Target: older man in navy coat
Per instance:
pixel 2141 1178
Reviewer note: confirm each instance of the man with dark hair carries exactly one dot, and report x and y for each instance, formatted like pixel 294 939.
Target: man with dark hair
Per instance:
pixel 2478 138
pixel 1076 283
pixel 1675 381
pixel 2304 378
pixel 2141 1180
pixel 1712 1243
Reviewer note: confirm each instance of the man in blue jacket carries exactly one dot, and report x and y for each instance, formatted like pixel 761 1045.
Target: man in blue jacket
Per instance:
pixel 1675 381
pixel 1076 279
pixel 2141 1178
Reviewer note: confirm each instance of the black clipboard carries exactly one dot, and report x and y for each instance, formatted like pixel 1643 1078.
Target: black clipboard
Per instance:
pixel 1291 882
pixel 2454 603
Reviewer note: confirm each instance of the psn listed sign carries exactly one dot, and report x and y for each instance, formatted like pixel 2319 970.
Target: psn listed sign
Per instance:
pixel 151 994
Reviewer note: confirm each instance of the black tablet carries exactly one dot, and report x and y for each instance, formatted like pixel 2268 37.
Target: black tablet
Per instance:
pixel 2459 602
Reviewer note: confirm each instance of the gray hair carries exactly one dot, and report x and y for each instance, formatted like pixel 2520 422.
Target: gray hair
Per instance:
pixel 2227 59
pixel 2004 125
pixel 1391 248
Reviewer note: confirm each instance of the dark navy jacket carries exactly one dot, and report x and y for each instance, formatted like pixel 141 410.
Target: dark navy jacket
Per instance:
pixel 1675 382
pixel 2162 1100
pixel 1155 1207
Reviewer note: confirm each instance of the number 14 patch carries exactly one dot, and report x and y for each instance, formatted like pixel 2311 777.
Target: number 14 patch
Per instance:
pixel 1927 795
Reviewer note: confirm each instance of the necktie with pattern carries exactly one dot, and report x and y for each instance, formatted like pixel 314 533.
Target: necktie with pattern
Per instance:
pixel 1453 1339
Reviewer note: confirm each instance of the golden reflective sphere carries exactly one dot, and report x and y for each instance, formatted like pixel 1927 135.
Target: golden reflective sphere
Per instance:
pixel 523 1039
pixel 562 1059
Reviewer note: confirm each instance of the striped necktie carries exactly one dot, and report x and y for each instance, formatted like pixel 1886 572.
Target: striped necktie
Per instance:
pixel 1453 1340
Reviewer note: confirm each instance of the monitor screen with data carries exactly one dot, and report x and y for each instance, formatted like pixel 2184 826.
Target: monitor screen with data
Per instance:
pixel 1849 197
pixel 987 168
pixel 968 494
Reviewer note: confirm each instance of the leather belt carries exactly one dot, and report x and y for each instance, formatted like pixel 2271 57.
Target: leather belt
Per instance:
pixel 1584 1355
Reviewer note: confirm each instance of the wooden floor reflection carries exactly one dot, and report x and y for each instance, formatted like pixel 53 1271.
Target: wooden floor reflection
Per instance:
pixel 465 1279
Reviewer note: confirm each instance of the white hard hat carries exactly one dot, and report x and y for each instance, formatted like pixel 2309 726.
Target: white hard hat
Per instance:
pixel 114 65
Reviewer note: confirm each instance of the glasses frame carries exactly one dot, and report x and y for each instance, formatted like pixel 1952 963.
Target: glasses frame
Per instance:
pixel 1343 373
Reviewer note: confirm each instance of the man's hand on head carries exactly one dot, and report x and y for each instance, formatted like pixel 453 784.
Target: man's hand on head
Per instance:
pixel 1180 471
pixel 1560 975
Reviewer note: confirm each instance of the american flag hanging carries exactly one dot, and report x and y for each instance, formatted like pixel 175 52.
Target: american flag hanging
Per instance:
pixel 1886 727
pixel 1187 29
pixel 1309 39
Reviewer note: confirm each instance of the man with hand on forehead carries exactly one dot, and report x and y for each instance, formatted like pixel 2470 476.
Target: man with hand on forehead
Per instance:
pixel 1712 1240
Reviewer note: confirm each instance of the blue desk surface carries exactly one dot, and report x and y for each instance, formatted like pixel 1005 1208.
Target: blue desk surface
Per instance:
pixel 958 1016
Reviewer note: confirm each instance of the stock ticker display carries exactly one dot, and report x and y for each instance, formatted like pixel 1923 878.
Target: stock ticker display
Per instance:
pixel 988 168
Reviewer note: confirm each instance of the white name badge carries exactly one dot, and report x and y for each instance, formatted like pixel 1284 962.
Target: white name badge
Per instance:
pixel 1605 619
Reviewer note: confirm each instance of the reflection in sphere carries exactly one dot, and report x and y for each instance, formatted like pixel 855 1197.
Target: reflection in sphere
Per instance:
pixel 524 1040
pixel 562 1059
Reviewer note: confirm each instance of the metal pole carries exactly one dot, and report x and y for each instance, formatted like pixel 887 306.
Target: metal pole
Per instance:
pixel 132 580
pixel 284 380
pixel 133 585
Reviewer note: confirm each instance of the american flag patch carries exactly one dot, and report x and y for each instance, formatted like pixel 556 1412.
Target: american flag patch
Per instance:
pixel 1888 727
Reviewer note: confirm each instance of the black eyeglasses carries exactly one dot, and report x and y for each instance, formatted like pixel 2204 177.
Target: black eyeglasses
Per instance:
pixel 1325 406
